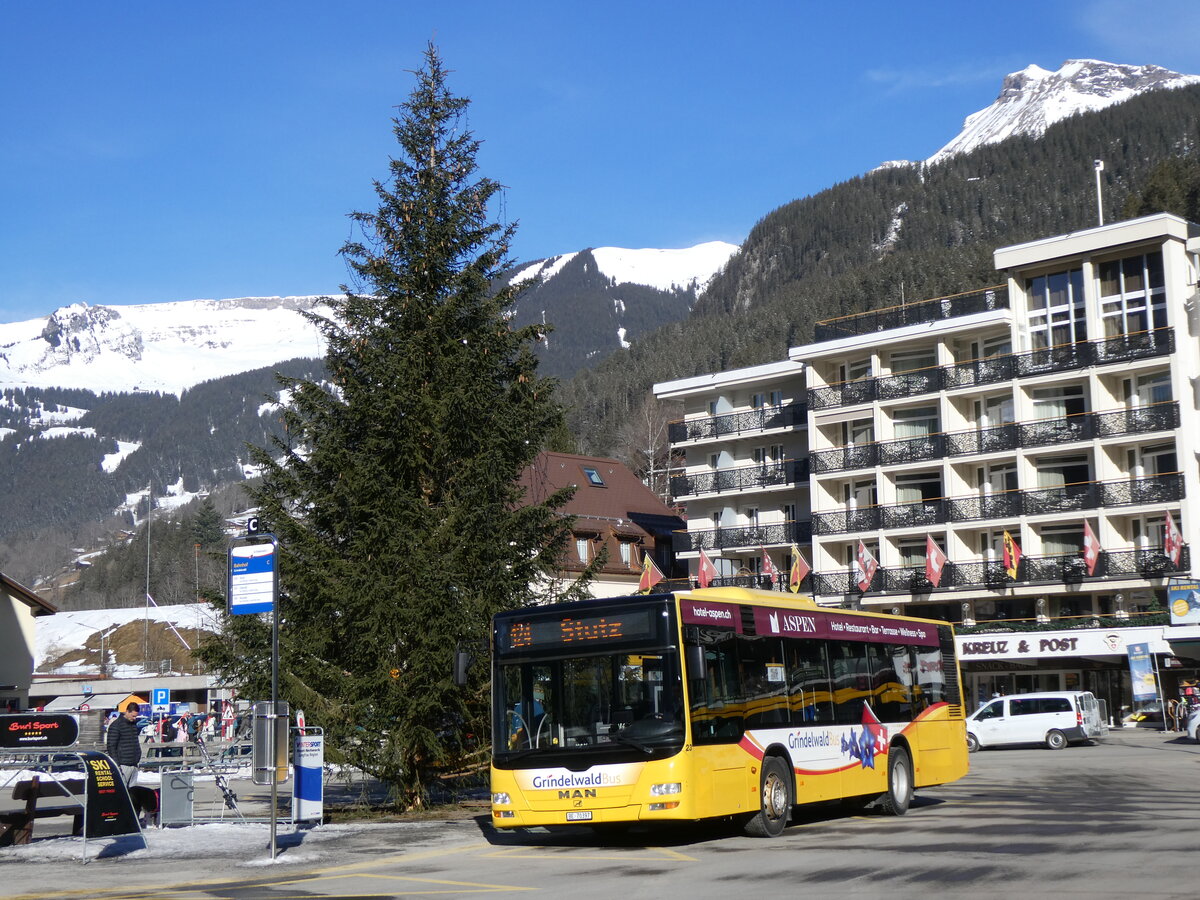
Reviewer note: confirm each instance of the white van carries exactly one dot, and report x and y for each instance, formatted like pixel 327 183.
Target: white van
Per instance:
pixel 1054 718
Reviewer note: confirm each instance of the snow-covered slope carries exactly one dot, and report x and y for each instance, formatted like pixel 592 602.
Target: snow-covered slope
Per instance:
pixel 660 269
pixel 1033 99
pixel 155 347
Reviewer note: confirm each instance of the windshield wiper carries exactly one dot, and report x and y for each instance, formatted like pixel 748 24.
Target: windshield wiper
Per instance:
pixel 621 738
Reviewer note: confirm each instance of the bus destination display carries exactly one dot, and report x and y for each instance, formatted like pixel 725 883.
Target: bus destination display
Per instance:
pixel 572 631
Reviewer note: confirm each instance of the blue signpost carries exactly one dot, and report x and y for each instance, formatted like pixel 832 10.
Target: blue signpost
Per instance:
pixel 254 588
pixel 160 701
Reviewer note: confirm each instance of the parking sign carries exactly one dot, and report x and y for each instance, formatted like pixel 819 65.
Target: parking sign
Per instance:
pixel 160 700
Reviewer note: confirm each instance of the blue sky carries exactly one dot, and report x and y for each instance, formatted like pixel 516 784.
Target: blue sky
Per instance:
pixel 154 151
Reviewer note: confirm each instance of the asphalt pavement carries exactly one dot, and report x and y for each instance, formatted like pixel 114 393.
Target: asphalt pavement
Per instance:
pixel 1022 819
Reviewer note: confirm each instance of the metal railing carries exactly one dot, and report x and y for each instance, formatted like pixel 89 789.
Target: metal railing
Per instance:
pixel 1083 495
pixel 778 534
pixel 1145 563
pixel 1063 357
pixel 1046 432
pixel 740 478
pixel 934 310
pixel 761 419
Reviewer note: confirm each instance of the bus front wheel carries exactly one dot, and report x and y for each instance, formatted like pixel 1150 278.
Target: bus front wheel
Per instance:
pixel 900 782
pixel 775 799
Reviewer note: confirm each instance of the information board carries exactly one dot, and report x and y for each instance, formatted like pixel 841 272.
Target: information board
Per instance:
pixel 253 578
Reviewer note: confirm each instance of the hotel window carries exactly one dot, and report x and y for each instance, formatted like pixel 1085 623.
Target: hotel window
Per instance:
pixel 908 360
pixel 789 512
pixel 751 514
pixel 859 494
pixel 758 401
pixel 777 398
pixel 1058 402
pixel 1063 470
pixel 626 550
pixel 912 553
pixel 919 487
pixel 1056 309
pixel 996 479
pixel 583 548
pixel 856 370
pixel 1133 296
pixel 1149 462
pixel 1001 345
pixel 1148 389
pixel 920 421
pixel 1062 540
pixel 994 411
pixel 857 433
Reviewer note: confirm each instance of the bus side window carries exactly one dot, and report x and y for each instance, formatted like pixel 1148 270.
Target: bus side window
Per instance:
pixel 717 702
pixel 891 698
pixel 765 682
pixel 851 680
pixel 808 679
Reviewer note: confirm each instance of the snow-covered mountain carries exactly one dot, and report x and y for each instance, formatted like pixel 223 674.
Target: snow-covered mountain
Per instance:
pixel 164 347
pixel 664 270
pixel 1033 99
pixel 170 347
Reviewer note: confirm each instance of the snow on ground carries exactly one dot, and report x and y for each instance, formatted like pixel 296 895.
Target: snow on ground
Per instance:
pixel 66 631
pixel 234 843
pixel 112 461
pixel 59 431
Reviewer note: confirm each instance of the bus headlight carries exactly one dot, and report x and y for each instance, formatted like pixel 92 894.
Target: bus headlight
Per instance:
pixel 501 799
pixel 662 790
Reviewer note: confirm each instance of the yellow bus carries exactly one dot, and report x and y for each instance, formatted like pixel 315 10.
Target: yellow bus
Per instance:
pixel 719 702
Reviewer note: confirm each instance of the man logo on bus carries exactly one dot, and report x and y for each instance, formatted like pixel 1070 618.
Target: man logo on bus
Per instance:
pixel 872 741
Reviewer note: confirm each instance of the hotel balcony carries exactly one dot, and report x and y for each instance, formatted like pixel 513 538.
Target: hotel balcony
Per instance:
pixel 1165 488
pixel 780 534
pixel 990 574
pixel 749 422
pixel 739 479
pixel 911 314
pixel 1122 348
pixel 1045 433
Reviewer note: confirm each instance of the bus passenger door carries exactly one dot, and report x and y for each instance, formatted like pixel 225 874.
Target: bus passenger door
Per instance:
pixel 717 711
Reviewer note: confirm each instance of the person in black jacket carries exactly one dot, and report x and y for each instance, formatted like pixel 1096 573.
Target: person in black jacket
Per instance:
pixel 123 744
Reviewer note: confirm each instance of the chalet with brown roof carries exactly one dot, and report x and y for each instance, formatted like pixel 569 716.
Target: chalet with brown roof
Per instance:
pixel 19 606
pixel 612 509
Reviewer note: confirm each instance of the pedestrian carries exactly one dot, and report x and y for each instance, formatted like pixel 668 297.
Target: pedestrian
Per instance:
pixel 123 744
pixel 181 729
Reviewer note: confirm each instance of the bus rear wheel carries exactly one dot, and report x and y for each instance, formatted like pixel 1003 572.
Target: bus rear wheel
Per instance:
pixel 900 783
pixel 775 799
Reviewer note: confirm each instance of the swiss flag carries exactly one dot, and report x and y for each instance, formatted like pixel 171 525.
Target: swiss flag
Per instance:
pixel 867 565
pixel 935 561
pixel 768 567
pixel 707 570
pixel 1173 541
pixel 1091 547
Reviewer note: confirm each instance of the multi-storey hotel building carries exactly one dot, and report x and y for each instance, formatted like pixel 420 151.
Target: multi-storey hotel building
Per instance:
pixel 1066 394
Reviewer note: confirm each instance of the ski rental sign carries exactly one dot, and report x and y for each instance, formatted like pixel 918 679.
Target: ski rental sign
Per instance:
pixel 253 578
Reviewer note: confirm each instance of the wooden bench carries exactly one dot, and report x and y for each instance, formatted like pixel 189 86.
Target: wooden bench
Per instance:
pixel 17 827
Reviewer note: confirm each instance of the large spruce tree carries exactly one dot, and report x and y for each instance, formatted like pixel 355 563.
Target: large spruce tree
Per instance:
pixel 394 494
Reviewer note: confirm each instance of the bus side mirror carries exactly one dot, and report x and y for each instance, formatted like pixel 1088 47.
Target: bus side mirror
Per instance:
pixel 462 662
pixel 694 655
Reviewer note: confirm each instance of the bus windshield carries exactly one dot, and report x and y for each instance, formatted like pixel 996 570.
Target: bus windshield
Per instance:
pixel 605 702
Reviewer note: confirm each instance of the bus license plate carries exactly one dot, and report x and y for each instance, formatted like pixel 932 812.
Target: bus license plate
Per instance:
pixel 584 816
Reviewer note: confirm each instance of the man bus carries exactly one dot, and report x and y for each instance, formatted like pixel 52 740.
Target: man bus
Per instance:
pixel 717 702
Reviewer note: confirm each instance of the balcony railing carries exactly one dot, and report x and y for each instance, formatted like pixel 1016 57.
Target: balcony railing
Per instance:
pixel 1165 488
pixel 1123 348
pixel 1146 563
pixel 779 534
pixel 1079 427
pixel 753 420
pixel 912 314
pixel 742 478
